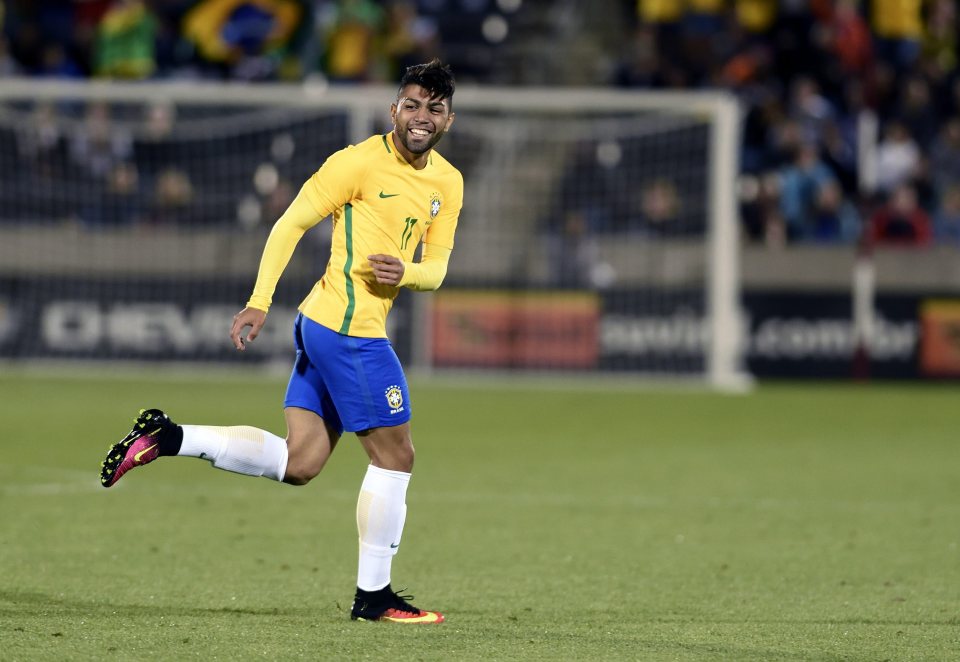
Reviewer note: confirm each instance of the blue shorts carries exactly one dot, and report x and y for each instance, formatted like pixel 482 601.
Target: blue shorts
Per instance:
pixel 354 384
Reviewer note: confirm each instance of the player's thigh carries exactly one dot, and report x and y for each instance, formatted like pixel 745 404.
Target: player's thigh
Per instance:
pixel 362 376
pixel 307 388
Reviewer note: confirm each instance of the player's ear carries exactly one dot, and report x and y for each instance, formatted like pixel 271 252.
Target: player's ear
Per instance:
pixel 393 113
pixel 449 122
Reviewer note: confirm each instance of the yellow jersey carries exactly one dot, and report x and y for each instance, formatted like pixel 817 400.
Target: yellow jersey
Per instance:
pixel 660 11
pixel 380 204
pixel 898 19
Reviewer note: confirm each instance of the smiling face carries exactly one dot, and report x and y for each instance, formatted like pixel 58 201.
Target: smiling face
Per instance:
pixel 419 123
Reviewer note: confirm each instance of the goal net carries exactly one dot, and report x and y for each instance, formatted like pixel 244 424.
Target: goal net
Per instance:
pixel 598 235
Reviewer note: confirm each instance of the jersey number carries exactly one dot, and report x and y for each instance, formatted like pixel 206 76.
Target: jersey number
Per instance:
pixel 407 232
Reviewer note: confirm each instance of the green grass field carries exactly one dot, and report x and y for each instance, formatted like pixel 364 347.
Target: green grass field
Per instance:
pixel 811 522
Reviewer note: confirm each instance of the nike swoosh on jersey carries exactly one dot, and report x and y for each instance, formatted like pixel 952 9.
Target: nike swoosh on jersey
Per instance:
pixel 388 195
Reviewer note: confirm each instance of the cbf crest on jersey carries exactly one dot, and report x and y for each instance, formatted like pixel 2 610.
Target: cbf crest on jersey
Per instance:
pixel 434 205
pixel 394 399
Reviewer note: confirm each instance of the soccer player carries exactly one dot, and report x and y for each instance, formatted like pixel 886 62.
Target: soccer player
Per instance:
pixel 386 194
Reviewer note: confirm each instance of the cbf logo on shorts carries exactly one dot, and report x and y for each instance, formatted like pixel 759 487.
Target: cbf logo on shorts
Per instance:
pixel 394 399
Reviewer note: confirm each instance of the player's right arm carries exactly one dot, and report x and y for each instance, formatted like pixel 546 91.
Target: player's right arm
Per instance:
pixel 251 317
pixel 299 217
pixel 332 186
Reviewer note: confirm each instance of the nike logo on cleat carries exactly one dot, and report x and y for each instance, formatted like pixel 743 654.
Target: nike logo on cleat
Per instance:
pixel 136 458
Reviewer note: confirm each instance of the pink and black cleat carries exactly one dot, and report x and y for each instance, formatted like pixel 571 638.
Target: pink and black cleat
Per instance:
pixel 141 446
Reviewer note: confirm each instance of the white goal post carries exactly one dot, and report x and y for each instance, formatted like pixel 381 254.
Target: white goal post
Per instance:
pixel 599 233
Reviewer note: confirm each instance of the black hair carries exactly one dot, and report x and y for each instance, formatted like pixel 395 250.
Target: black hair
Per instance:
pixel 434 76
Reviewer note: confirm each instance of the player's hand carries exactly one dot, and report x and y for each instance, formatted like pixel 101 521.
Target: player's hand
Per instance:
pixel 251 317
pixel 387 269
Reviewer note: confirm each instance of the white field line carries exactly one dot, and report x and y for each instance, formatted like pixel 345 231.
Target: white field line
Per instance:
pixel 37 480
pixel 34 480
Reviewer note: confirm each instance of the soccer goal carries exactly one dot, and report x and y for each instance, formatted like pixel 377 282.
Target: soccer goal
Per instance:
pixel 599 233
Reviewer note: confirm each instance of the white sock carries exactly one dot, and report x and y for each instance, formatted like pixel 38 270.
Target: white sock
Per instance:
pixel 381 511
pixel 241 449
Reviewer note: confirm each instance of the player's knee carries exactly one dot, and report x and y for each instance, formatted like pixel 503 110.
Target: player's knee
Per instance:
pixel 301 472
pixel 407 454
pixel 304 463
pixel 389 448
pixel 398 457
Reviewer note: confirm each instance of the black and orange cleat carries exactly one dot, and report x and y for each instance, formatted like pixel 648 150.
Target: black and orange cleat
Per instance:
pixel 386 605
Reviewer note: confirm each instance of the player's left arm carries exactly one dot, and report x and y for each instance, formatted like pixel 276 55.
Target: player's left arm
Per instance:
pixel 427 274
